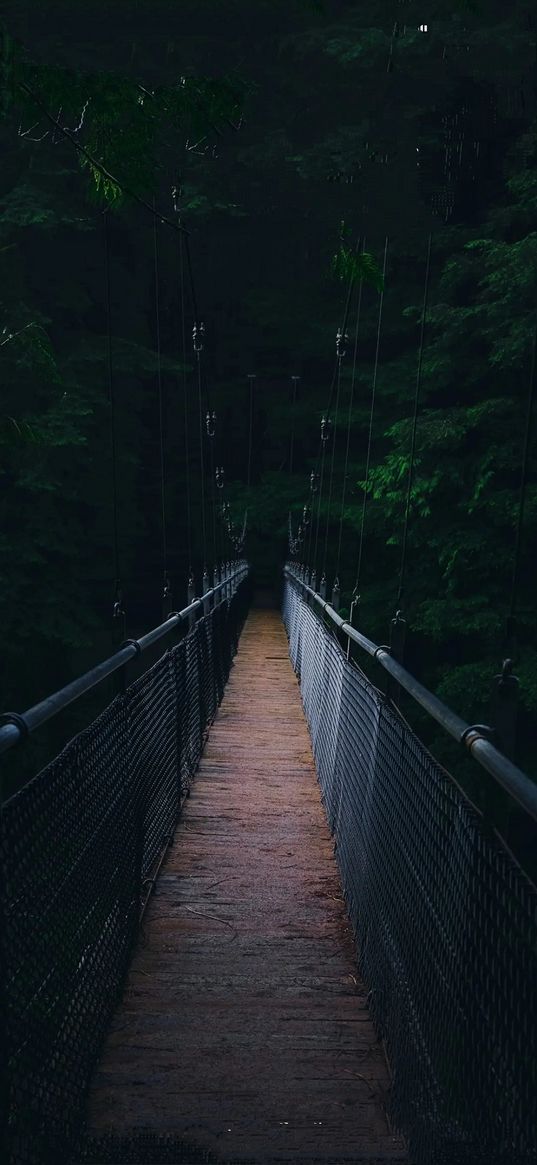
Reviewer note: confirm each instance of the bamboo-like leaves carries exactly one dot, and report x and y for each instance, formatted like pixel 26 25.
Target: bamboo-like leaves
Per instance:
pixel 349 265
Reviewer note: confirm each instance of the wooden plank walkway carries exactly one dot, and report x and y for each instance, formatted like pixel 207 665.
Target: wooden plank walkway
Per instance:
pixel 244 1026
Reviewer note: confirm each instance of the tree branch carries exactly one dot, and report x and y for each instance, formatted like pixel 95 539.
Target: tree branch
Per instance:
pixel 98 165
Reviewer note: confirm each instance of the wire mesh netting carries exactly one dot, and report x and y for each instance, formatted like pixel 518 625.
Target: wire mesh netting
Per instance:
pixel 444 918
pixel 78 847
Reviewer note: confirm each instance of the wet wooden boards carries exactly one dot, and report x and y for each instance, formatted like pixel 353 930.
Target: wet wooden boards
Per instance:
pixel 244 1024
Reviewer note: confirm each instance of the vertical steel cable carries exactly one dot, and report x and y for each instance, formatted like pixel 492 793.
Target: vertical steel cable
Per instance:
pixel 202 465
pixel 522 495
pixel 118 599
pixel 294 380
pixel 349 419
pixel 161 425
pixel 185 404
pixel 198 330
pixel 311 502
pixel 213 495
pixel 336 416
pixel 251 378
pixel 191 281
pixel 323 457
pixel 371 416
pixel 322 444
pixel 414 429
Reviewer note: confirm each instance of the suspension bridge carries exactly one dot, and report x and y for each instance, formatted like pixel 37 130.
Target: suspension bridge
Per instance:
pixel 203 962
pixel 246 915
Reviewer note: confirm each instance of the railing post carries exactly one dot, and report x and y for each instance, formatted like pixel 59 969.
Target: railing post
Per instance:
pixel 313 580
pixel 355 603
pixel 504 709
pixel 167 598
pixel 397 652
pixel 205 586
pixel 191 595
pixel 336 594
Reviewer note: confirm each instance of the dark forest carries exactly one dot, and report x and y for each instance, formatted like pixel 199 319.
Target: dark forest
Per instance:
pixel 288 139
pixel 268 346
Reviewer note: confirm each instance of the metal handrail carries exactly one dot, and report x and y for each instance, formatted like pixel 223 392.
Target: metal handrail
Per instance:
pixel 511 778
pixel 18 726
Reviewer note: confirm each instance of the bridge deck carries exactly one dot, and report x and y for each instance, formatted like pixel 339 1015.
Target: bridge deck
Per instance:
pixel 244 1025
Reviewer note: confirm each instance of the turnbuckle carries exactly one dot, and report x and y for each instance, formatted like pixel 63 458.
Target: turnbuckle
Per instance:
pixel 198 336
pixel 342 340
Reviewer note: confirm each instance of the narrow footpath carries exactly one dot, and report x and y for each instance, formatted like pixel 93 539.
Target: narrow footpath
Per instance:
pixel 244 1025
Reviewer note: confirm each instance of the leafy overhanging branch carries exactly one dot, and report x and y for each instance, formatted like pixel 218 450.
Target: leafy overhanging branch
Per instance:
pixel 349 265
pixel 115 123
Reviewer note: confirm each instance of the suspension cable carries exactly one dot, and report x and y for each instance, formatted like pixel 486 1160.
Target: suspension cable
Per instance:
pixel 522 495
pixel 191 281
pixel 251 378
pixel 314 476
pixel 220 484
pixel 414 430
pixel 118 611
pixel 294 381
pixel 166 586
pixel 185 407
pixel 325 433
pixel 211 433
pixel 349 419
pixel 371 416
pixel 313 490
pixel 334 437
pixel 202 455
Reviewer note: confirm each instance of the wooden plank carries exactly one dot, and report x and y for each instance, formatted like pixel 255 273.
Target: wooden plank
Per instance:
pixel 244 1024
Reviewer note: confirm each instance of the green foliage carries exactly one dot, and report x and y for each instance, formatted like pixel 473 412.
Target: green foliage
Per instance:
pixel 120 125
pixel 326 111
pixel 13 432
pixel 127 356
pixel 351 265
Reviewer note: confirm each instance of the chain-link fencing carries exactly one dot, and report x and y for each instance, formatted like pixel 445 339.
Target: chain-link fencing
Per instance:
pixel 445 920
pixel 79 845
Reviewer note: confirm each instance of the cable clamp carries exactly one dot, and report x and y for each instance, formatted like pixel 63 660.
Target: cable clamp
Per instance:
pixel 477 732
pixel 19 721
pixel 383 647
pixel 131 643
pixel 210 422
pixel 507 679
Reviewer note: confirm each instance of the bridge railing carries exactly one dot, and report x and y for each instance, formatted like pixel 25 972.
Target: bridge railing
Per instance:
pixel 475 737
pixel 445 919
pixel 80 845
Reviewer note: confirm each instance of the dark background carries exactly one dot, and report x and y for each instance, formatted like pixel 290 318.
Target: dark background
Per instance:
pixel 350 113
